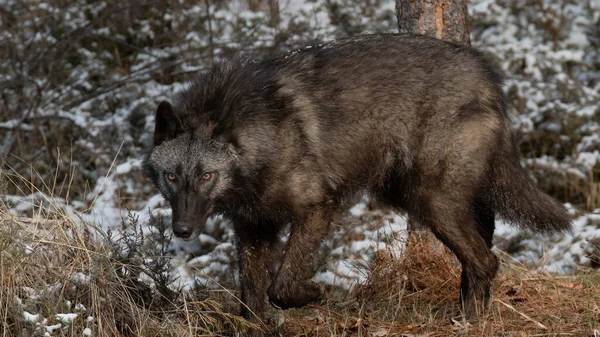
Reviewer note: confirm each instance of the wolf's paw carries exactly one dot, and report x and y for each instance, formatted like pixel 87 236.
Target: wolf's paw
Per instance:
pixel 294 295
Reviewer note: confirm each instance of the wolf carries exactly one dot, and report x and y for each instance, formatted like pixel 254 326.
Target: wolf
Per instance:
pixel 419 124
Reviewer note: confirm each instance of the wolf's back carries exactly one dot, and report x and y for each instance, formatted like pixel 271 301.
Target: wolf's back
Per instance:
pixel 454 77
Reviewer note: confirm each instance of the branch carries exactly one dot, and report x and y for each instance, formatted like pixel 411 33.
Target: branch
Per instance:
pixel 133 77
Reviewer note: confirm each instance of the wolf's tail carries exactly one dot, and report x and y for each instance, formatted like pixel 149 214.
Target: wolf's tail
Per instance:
pixel 516 199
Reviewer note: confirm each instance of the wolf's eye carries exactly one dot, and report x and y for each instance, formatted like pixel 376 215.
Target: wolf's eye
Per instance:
pixel 207 176
pixel 171 176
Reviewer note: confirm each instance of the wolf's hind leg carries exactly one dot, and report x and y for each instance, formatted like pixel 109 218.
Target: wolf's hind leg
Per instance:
pixel 293 286
pixel 456 225
pixel 485 221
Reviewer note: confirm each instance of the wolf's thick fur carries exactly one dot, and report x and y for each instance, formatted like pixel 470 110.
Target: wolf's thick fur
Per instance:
pixel 418 123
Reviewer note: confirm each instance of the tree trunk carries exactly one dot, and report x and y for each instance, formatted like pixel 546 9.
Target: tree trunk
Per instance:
pixel 254 5
pixel 259 5
pixel 443 19
pixel 274 12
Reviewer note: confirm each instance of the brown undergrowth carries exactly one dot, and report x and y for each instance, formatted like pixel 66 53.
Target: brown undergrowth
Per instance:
pixel 52 269
pixel 52 265
pixel 417 295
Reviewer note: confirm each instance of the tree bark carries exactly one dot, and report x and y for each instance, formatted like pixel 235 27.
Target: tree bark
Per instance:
pixel 443 19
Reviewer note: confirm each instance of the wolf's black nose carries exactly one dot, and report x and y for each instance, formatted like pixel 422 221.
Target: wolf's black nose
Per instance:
pixel 183 231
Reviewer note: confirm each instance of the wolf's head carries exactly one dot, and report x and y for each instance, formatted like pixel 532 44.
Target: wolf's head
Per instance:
pixel 191 173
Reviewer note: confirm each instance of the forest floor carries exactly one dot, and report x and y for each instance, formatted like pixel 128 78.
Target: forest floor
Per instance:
pixel 59 278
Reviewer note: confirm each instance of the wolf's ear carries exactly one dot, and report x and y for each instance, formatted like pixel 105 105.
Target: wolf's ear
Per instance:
pixel 168 124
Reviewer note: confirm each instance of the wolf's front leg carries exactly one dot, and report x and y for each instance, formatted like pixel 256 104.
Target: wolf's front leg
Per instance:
pixel 293 286
pixel 256 255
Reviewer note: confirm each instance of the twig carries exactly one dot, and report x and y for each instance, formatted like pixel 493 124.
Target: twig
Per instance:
pixel 549 278
pixel 11 136
pixel 35 221
pixel 132 77
pixel 210 33
pixel 522 314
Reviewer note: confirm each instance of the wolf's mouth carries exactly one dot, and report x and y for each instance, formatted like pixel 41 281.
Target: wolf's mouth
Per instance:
pixel 187 238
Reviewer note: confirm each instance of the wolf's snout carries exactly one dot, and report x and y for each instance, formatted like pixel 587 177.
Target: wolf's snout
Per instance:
pixel 182 230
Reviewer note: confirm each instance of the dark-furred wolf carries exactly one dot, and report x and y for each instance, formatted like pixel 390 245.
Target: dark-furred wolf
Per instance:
pixel 420 124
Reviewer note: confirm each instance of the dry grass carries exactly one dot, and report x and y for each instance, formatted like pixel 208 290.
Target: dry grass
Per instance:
pixel 417 294
pixel 414 294
pixel 116 283
pixel 49 267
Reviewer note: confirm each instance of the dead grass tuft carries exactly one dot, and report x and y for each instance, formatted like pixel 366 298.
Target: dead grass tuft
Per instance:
pixel 417 294
pixel 425 272
pixel 53 267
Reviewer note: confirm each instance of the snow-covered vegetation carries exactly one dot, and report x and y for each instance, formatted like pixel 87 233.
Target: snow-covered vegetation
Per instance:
pixel 80 81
